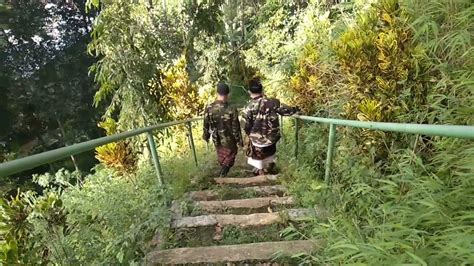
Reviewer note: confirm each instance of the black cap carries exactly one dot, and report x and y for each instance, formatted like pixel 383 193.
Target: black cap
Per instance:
pixel 255 85
pixel 223 89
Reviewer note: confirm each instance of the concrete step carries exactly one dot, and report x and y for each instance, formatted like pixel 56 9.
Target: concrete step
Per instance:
pixel 255 252
pixel 247 220
pixel 247 181
pixel 259 191
pixel 216 206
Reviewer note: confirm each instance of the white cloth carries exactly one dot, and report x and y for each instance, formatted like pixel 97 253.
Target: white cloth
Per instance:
pixel 261 164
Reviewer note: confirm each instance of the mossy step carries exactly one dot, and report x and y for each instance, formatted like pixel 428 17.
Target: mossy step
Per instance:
pixel 216 206
pixel 228 235
pixel 246 220
pixel 232 193
pixel 255 252
pixel 247 181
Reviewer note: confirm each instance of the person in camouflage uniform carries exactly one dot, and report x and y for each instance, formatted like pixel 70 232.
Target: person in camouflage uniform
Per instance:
pixel 262 126
pixel 221 122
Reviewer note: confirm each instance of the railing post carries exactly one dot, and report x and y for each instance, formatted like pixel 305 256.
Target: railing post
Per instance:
pixel 154 156
pixel 297 129
pixel 282 129
pixel 191 142
pixel 332 139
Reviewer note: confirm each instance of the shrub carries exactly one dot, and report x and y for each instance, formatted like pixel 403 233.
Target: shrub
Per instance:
pixel 174 91
pixel 106 221
pixel 116 155
pixel 412 206
pixel 381 63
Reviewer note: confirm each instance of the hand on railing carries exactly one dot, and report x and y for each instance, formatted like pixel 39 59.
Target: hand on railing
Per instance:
pixel 297 111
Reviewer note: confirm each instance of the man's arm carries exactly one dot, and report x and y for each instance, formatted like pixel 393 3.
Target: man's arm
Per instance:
pixel 248 120
pixel 236 128
pixel 286 110
pixel 206 126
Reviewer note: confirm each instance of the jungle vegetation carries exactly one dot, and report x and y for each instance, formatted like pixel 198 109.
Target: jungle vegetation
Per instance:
pixel 122 65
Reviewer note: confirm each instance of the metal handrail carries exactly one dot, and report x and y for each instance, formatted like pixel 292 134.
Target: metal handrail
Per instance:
pixel 455 131
pixel 422 129
pixel 29 162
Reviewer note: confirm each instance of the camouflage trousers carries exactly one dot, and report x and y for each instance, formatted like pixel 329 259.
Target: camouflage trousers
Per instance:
pixel 226 156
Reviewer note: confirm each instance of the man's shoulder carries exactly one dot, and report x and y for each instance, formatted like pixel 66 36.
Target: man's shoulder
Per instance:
pixel 219 108
pixel 269 101
pixel 255 104
pixel 272 99
pixel 214 105
pixel 251 105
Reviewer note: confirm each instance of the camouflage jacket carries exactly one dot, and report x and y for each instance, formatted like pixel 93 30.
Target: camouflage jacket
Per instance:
pixel 221 122
pixel 261 119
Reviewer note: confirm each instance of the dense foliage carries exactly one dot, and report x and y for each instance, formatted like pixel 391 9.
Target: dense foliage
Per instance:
pixel 73 224
pixel 44 84
pixel 393 198
pixel 111 218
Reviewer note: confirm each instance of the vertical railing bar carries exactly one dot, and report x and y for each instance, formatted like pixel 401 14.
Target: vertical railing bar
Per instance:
pixel 297 129
pixel 188 138
pixel 191 140
pixel 155 158
pixel 330 152
pixel 207 142
pixel 282 129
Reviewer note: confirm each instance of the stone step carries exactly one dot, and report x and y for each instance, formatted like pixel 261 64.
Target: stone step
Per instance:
pixel 246 181
pixel 247 220
pixel 216 206
pixel 255 252
pixel 203 195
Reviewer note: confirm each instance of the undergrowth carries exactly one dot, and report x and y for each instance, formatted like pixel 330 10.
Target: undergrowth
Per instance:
pixel 393 198
pixel 410 210
pixel 110 218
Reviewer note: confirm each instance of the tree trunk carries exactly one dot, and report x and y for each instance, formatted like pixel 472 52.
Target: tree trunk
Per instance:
pixel 63 133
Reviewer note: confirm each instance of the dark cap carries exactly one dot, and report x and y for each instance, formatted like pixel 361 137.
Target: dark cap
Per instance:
pixel 255 85
pixel 222 89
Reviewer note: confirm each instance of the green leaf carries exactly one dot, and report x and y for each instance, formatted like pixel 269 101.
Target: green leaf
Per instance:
pixel 120 256
pixel 345 246
pixel 416 258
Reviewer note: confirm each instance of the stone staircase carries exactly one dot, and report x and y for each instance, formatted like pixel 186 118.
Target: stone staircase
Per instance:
pixel 249 204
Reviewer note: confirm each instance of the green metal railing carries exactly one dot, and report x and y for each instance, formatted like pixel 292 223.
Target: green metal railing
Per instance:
pixel 466 132
pixel 23 164
pixel 19 165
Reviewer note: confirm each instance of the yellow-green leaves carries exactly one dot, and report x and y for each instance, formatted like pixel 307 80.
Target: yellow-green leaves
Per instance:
pixel 173 91
pixel 116 155
pixel 180 96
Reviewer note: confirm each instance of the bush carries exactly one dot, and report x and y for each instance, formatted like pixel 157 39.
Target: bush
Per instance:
pixel 117 155
pixel 111 220
pixel 174 91
pixel 104 220
pixel 107 221
pixel 393 198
